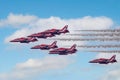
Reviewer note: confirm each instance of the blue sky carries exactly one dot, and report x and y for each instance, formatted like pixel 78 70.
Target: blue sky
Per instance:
pixel 76 67
pixel 64 9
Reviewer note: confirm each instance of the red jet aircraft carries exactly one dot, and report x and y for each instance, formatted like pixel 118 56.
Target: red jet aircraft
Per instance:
pixel 64 51
pixel 41 35
pixel 24 40
pixel 58 31
pixel 104 60
pixel 45 46
pixel 50 33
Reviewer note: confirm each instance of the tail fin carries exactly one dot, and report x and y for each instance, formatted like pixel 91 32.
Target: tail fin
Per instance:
pixel 73 47
pixel 112 58
pixel 53 44
pixel 64 28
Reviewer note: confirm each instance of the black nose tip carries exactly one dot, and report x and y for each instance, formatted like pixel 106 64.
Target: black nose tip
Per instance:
pixel 32 48
pixel 90 61
pixel 11 41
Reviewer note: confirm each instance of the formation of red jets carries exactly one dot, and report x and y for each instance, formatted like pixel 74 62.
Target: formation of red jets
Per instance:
pixel 54 47
pixel 45 34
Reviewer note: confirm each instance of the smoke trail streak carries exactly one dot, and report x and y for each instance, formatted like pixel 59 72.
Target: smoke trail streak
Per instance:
pixel 98 46
pixel 101 51
pixel 87 39
pixel 105 30
pixel 96 34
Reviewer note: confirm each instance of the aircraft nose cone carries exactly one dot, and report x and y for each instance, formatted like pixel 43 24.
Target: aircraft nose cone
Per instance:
pixel 12 41
pixel 90 61
pixel 32 47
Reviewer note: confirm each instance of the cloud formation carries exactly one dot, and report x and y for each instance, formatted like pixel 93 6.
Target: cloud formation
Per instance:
pixel 17 20
pixel 35 24
pixel 32 67
pixel 112 75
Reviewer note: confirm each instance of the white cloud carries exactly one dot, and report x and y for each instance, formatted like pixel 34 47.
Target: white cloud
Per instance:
pixel 89 22
pixel 36 24
pixel 32 67
pixel 112 75
pixel 17 20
